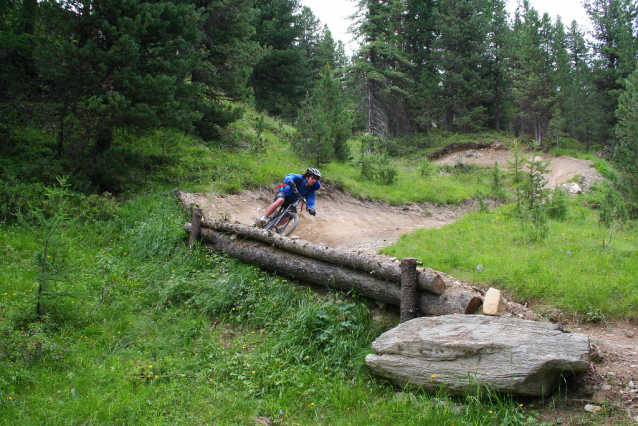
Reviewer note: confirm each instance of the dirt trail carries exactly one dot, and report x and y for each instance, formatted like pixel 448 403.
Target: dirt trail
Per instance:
pixel 342 221
pixel 348 223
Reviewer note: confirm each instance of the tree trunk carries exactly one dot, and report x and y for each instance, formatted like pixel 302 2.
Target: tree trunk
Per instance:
pixel 428 279
pixel 408 289
pixel 333 276
pixel 195 228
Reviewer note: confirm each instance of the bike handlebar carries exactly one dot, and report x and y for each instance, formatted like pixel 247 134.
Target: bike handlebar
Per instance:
pixel 294 188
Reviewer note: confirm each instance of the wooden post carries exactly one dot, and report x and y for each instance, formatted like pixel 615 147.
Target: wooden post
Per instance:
pixel 195 228
pixel 408 289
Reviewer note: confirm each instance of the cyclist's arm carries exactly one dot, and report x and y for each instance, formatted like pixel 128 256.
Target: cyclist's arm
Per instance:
pixel 293 177
pixel 310 200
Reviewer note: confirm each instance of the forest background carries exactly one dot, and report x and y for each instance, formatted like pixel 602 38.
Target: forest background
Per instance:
pixel 79 72
pixel 104 104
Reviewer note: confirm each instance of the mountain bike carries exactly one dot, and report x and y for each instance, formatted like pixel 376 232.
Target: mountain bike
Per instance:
pixel 285 219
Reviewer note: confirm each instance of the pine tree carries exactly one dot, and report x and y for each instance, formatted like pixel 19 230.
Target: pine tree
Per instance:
pixel 464 28
pixel 533 87
pixel 626 150
pixel 323 125
pixel 228 64
pixel 420 33
pixel 379 68
pixel 123 65
pixel 579 104
pixel 499 78
pixel 615 47
pixel 285 74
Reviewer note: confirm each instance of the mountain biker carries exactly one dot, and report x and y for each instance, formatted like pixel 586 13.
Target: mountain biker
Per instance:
pixel 305 184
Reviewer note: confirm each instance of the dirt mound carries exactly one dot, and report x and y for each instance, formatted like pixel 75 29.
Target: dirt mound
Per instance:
pixel 561 169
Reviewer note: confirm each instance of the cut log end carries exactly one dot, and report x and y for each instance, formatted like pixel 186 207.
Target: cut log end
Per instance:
pixel 474 305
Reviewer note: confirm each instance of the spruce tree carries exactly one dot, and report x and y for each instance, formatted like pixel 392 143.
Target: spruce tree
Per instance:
pixel 615 46
pixel 323 125
pixel 464 66
pixel 626 149
pixel 379 68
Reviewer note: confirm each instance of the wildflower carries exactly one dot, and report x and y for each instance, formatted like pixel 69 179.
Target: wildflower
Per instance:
pixel 490 411
pixel 10 399
pixel 312 404
pixel 479 268
pixel 433 376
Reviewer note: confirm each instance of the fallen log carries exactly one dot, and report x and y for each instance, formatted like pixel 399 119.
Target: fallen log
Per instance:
pixel 427 279
pixel 330 275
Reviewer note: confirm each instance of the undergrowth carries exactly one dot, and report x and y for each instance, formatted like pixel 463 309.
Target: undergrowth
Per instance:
pixel 157 334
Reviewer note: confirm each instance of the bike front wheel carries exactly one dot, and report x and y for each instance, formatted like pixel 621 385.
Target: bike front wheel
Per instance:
pixel 285 229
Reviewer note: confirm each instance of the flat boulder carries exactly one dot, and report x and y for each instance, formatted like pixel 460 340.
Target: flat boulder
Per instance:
pixel 460 352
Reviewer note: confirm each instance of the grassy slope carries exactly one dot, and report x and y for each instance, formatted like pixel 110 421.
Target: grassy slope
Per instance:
pixel 571 269
pixel 142 331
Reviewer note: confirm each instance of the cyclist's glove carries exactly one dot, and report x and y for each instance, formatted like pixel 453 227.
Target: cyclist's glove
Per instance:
pixel 312 212
pixel 292 185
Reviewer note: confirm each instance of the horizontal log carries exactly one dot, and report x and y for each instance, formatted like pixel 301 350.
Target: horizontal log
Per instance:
pixel 328 274
pixel 427 279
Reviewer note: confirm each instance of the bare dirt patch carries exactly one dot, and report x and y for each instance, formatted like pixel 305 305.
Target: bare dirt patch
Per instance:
pixel 348 223
pixel 561 169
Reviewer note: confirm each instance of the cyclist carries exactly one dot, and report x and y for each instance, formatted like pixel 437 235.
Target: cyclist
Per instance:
pixel 305 184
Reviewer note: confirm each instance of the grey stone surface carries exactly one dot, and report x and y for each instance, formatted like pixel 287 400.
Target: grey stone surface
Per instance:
pixel 460 352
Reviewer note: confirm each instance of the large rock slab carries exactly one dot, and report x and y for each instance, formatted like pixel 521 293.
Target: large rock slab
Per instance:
pixel 461 352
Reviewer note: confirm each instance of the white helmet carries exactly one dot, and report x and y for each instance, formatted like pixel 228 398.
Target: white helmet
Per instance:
pixel 313 172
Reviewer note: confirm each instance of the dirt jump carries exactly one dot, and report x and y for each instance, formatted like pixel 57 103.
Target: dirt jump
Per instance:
pixel 366 226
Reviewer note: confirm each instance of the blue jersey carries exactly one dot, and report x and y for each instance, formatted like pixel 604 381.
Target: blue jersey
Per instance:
pixel 302 188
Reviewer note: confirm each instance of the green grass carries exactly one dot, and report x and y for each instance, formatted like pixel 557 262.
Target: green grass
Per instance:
pixel 570 269
pixel 150 333
pixel 441 187
pixel 143 331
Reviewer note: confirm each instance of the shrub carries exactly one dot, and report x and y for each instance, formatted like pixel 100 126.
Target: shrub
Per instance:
pixel 557 205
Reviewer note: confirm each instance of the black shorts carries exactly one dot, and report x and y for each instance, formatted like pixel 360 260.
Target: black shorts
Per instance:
pixel 282 194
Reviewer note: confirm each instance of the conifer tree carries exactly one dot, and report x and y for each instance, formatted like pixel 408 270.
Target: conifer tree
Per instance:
pixel 379 68
pixel 123 64
pixel 462 45
pixel 284 75
pixel 533 87
pixel 615 46
pixel 323 125
pixel 626 149
pixel 419 34
pixel 229 61
pixel 581 110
